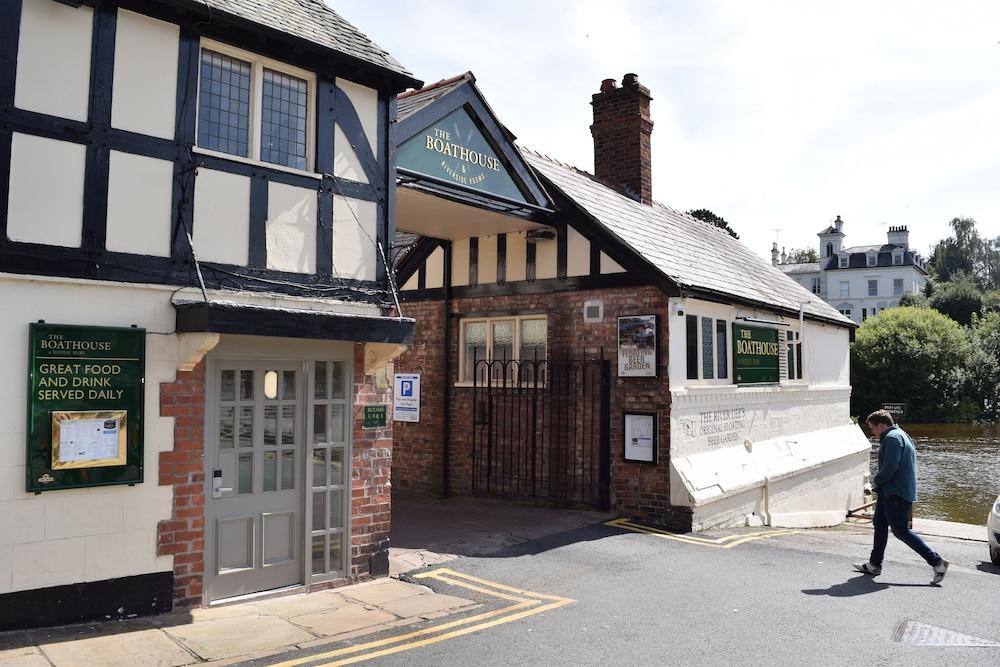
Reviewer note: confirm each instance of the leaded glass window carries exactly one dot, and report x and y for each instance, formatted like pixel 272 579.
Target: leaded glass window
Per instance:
pixel 283 119
pixel 224 104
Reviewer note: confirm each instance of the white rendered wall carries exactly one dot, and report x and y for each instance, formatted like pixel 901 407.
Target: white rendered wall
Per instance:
pixel 144 96
pixel 517 256
pixel 354 238
pixel 609 265
pixel 222 217
pixel 71 536
pixel 291 228
pixel 487 264
pixel 345 159
pixel 365 102
pixel 53 59
pixel 577 254
pixel 546 259
pixel 45 204
pixel 140 192
pixel 435 269
pixel 460 262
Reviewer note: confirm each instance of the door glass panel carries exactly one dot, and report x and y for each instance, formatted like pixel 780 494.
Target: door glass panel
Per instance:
pixel 246 426
pixel 319 510
pixel 319 388
pixel 319 554
pixel 339 381
pixel 336 466
pixel 288 424
pixel 336 423
pixel 287 470
pixel 319 423
pixel 245 474
pixel 271 384
pixel 319 467
pixel 227 386
pixel 246 385
pixel 270 471
pixel 270 425
pixel 336 552
pixel 288 385
pixel 336 509
pixel 226 427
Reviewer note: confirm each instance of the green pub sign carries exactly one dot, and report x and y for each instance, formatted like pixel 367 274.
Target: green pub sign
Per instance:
pixel 755 355
pixel 454 151
pixel 85 406
pixel 374 416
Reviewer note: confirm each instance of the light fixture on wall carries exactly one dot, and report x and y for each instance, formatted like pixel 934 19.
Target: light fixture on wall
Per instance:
pixel 679 309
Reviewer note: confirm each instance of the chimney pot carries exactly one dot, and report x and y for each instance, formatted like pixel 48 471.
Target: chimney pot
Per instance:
pixel 608 84
pixel 630 79
pixel 621 131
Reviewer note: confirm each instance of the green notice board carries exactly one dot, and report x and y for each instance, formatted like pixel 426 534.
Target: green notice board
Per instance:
pixel 374 416
pixel 755 355
pixel 85 406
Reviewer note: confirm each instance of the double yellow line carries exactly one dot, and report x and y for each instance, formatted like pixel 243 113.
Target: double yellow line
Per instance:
pixel 525 604
pixel 727 542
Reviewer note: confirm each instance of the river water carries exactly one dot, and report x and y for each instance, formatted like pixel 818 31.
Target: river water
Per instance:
pixel 959 470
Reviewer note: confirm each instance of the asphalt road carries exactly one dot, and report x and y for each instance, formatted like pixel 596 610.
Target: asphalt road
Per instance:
pixel 791 599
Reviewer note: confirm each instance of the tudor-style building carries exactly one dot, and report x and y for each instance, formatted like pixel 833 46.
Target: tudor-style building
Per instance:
pixel 860 281
pixel 579 343
pixel 208 188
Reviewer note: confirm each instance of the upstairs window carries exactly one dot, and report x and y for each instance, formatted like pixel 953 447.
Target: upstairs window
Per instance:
pixel 873 287
pixel 897 259
pixel 845 288
pixel 897 286
pixel 254 108
pixel 843 260
pixel 872 259
pixel 829 250
pixel 815 286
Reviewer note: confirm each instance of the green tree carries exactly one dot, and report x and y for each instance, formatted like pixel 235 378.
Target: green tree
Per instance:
pixel 984 366
pixel 914 299
pixel 958 298
pixel 991 301
pixel 965 251
pixel 915 355
pixel 802 256
pixel 705 215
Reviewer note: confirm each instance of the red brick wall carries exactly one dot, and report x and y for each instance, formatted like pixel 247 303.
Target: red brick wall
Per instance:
pixel 621 131
pixel 183 535
pixel 639 490
pixel 371 468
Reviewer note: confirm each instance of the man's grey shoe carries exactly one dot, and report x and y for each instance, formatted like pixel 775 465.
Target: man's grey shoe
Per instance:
pixel 868 568
pixel 940 570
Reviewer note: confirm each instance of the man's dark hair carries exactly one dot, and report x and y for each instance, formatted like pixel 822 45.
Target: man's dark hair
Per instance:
pixel 880 417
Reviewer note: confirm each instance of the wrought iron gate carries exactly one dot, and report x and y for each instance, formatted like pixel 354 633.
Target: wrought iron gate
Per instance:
pixel 542 431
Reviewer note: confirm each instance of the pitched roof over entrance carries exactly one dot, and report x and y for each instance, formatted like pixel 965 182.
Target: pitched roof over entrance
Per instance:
pixel 694 255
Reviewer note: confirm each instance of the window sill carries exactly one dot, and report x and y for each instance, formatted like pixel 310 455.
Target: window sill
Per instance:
pixel 256 163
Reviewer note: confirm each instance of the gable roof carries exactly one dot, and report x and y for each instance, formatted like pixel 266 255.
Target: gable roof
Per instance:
pixel 313 21
pixel 694 255
pixel 412 101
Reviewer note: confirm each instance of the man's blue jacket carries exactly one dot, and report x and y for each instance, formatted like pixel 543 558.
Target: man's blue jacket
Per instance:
pixel 897 465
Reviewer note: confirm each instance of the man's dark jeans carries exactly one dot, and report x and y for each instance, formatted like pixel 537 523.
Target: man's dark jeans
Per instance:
pixel 894 512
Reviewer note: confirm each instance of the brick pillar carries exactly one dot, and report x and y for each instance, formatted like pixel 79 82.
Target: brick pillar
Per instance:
pixel 621 130
pixel 371 489
pixel 183 535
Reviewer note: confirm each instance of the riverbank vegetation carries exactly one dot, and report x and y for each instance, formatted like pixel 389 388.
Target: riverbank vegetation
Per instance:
pixel 939 352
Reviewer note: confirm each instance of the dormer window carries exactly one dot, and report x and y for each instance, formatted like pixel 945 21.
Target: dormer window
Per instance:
pixel 843 260
pixel 872 259
pixel 897 259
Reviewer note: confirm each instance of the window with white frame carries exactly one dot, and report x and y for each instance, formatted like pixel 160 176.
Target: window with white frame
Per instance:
pixel 845 288
pixel 793 339
pixel 897 259
pixel 815 286
pixel 843 259
pixel 845 311
pixel 872 259
pixel 494 341
pixel 707 348
pixel 897 286
pixel 255 108
pixel 873 287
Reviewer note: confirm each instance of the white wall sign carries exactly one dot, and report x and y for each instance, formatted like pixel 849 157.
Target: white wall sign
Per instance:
pixel 640 437
pixel 406 397
pixel 637 346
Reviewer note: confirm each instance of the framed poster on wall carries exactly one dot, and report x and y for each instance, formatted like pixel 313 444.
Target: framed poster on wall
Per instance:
pixel 640 435
pixel 638 346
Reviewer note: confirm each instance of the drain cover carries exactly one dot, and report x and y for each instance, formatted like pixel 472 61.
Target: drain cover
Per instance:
pixel 922 634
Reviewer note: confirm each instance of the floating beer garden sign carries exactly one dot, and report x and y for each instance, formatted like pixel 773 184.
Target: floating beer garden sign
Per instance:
pixel 85 401
pixel 455 151
pixel 755 355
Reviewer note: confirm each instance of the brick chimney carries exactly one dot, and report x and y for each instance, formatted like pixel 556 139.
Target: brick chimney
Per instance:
pixel 621 131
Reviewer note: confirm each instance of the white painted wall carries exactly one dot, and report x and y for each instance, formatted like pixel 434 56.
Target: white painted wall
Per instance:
pixel 517 256
pixel 144 96
pixel 365 101
pixel 291 228
pixel 354 238
pixel 140 191
pixel 545 259
pixel 222 217
pixel 857 281
pixel 53 59
pixel 577 254
pixel 609 265
pixel 45 204
pixel 487 265
pixel 71 536
pixel 435 269
pixel 460 262
pixel 345 159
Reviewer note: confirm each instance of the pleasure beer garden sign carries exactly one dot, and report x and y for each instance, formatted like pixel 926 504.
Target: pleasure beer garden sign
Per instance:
pixel 755 355
pixel 455 151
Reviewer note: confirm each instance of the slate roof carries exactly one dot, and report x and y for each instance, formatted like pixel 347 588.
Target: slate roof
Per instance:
pixel 693 254
pixel 412 101
pixel 313 21
pixel 831 230
pixel 803 267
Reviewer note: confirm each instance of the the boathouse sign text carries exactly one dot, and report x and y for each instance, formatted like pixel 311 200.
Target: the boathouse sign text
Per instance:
pixel 755 354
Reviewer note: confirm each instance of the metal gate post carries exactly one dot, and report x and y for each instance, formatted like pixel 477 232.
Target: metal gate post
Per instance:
pixel 605 493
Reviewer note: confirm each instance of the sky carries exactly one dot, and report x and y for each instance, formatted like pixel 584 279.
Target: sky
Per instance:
pixel 777 115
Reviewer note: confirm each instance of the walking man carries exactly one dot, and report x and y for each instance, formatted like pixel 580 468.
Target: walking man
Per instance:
pixel 896 486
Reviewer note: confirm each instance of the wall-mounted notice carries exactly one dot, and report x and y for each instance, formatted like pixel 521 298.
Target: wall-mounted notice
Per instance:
pixel 640 436
pixel 637 346
pixel 406 397
pixel 85 406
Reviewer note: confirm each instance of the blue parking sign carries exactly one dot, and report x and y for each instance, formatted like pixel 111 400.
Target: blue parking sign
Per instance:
pixel 406 397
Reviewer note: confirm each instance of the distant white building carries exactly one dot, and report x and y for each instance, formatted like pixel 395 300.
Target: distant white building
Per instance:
pixel 859 281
